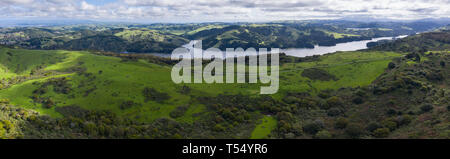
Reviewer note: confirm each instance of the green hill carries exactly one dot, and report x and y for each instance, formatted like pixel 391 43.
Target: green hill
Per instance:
pixel 131 89
pixel 360 94
pixel 269 36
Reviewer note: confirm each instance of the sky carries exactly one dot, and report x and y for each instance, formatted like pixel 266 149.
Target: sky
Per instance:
pixel 221 10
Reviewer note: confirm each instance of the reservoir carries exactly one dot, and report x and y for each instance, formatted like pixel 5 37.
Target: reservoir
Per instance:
pixel 317 50
pixel 348 46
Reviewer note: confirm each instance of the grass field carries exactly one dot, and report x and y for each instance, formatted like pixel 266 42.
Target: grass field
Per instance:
pixel 338 35
pixel 208 27
pixel 263 129
pixel 140 34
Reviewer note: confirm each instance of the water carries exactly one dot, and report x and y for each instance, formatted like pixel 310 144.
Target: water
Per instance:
pixel 321 50
pixel 317 50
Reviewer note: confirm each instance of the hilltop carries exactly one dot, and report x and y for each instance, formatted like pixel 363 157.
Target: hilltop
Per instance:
pixel 164 38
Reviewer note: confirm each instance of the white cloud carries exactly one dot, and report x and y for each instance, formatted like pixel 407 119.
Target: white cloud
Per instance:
pixel 87 6
pixel 224 10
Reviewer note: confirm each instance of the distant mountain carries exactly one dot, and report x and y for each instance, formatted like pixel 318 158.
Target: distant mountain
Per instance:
pixel 164 38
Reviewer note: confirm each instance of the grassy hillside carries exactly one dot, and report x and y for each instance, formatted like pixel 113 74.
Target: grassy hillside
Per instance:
pixel 360 94
pixel 163 38
pixel 270 36
pixel 95 82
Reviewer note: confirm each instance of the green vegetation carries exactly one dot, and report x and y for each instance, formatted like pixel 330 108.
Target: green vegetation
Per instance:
pixel 361 94
pixel 164 38
pixel 208 27
pixel 264 128
pixel 339 35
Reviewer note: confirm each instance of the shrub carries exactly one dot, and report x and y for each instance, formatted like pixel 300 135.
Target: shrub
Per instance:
pixel 323 95
pixel 291 100
pixel 72 111
pixel 404 120
pixel 391 112
pixel 323 135
pixel 334 112
pixel 388 123
pixel 219 128
pixel 358 100
pixel 381 132
pixel 391 65
pixel 434 76
pixel 354 131
pixel 334 101
pixel 341 123
pixel 426 108
pixel 313 127
pixel 127 105
pixel 154 95
pixel 179 111
pixel 373 126
pixel 48 103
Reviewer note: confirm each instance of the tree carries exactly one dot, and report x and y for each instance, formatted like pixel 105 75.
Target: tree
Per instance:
pixel 426 108
pixel 313 127
pixel 391 65
pixel 341 123
pixel 334 101
pixel 389 123
pixel 323 134
pixel 354 130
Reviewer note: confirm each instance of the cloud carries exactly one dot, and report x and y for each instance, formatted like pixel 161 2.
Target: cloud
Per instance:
pixel 223 10
pixel 87 6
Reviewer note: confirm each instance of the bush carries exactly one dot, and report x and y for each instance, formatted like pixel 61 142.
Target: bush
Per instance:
pixel 426 108
pixel 391 65
pixel 313 127
pixel 388 123
pixel 48 103
pixel 179 111
pixel 434 76
pixel 354 131
pixel 373 126
pixel 127 105
pixel 323 135
pixel 391 112
pixel 72 111
pixel 323 95
pixel 291 100
pixel 334 112
pixel 219 128
pixel 154 95
pixel 334 101
pixel 404 120
pixel 381 132
pixel 358 100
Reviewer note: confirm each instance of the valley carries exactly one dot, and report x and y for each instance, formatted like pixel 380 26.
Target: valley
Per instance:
pixel 91 84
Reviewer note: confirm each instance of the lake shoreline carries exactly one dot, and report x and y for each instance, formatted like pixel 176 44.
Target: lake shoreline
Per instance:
pixel 304 52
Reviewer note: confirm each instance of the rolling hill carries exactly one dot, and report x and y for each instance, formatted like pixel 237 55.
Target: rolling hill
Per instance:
pixel 79 94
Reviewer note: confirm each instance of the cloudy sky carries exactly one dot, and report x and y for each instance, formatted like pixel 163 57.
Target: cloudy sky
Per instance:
pixel 221 10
